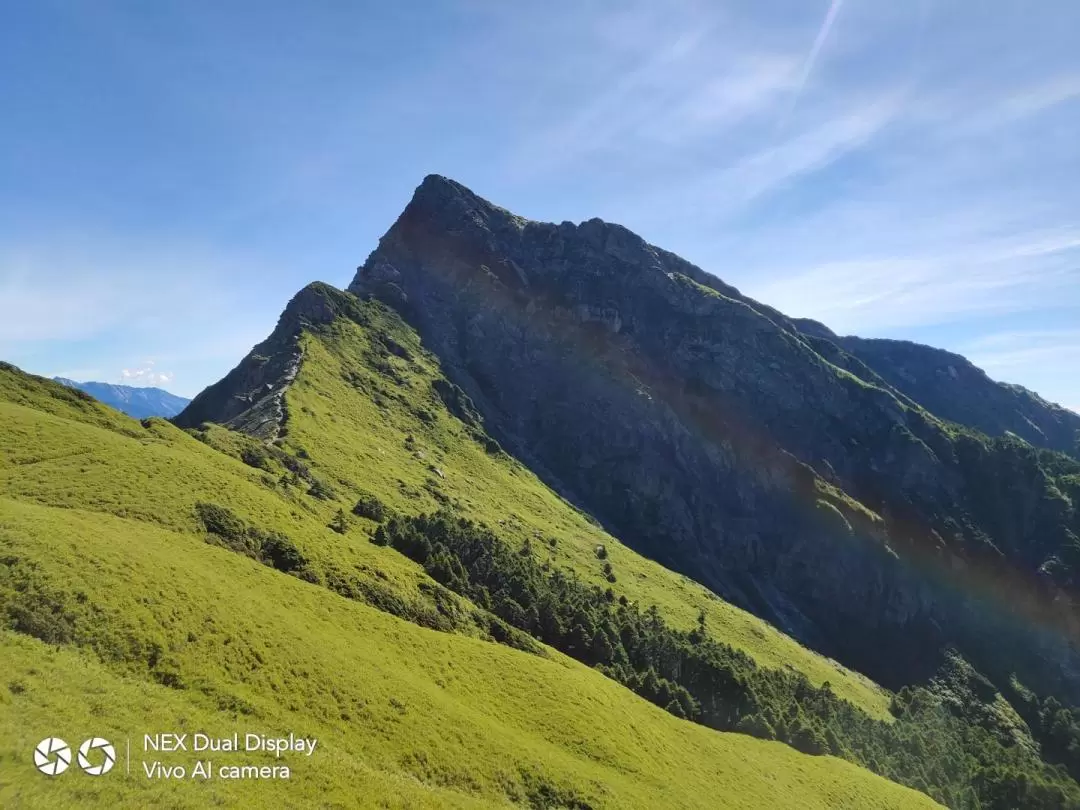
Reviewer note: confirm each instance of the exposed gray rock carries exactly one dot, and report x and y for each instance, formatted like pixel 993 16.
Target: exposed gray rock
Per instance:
pixel 758 454
pixel 699 425
pixel 251 397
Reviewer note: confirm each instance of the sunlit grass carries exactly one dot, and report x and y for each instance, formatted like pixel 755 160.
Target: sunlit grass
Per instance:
pixel 399 710
pixel 163 631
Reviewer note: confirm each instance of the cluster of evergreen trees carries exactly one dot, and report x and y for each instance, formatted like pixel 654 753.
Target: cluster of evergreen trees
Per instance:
pixel 1054 726
pixel 268 547
pixel 927 747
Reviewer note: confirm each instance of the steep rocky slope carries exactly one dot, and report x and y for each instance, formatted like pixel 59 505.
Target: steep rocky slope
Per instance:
pixel 251 396
pixel 710 433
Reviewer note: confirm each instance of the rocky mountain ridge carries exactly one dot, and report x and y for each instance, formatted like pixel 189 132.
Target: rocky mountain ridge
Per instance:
pixel 758 454
pixel 250 398
pixel 716 435
pixel 953 388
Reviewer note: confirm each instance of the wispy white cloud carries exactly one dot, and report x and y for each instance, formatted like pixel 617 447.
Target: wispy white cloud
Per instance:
pixel 1015 350
pixel 619 110
pixel 809 151
pixel 145 374
pixel 1027 102
pixel 724 98
pixel 874 294
pixel 811 59
pixel 654 80
pixel 709 197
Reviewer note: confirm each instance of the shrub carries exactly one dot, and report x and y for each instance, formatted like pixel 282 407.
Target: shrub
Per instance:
pixel 227 529
pixel 280 552
pixel 220 521
pixel 31 606
pixel 269 547
pixel 320 490
pixel 370 507
pixel 808 740
pixel 256 456
pixel 756 726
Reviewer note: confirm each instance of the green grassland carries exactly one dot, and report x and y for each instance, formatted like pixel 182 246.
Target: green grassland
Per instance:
pixel 132 622
pixel 143 626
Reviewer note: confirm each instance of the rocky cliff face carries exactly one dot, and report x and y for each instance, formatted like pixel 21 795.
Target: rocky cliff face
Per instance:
pixel 718 436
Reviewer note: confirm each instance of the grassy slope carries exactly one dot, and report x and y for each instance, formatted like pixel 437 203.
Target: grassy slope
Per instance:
pixel 355 442
pixel 95 514
pixel 395 707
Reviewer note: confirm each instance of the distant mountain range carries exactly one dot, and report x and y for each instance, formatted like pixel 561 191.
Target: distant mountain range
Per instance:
pixel 951 387
pixel 137 402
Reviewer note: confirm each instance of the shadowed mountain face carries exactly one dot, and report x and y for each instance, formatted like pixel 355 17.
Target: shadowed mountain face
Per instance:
pixel 134 401
pixel 797 474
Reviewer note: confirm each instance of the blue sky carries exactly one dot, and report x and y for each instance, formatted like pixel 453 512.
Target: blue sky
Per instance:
pixel 172 172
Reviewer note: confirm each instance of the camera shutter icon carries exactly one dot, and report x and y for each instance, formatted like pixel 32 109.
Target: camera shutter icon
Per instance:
pixel 52 756
pixel 96 744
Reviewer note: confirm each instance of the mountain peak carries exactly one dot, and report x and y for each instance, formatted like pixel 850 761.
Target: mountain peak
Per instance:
pixel 316 303
pixel 449 230
pixel 251 396
pixel 446 203
pixel 436 189
pixel 437 185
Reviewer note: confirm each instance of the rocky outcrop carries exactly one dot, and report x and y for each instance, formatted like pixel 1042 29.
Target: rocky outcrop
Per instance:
pixel 251 397
pixel 721 437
